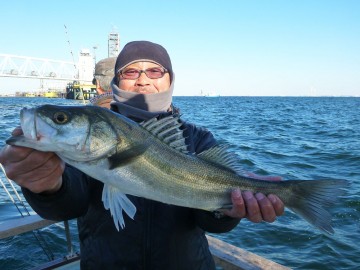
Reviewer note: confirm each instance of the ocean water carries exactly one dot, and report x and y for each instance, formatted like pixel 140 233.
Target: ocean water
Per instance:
pixel 293 137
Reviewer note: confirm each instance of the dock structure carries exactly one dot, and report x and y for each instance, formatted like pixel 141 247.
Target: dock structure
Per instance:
pixel 76 90
pixel 226 256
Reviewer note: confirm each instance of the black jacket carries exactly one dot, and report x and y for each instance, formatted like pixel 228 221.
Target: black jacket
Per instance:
pixel 161 236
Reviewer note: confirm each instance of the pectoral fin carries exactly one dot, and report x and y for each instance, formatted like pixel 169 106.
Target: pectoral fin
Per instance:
pixel 124 157
pixel 117 201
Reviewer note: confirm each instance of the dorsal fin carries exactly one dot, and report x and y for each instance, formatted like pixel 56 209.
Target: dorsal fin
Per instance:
pixel 168 131
pixel 220 156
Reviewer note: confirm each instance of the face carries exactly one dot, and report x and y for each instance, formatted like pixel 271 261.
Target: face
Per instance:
pixel 143 84
pixel 99 89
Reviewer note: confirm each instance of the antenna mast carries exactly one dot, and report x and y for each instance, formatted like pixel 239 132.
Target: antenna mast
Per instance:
pixel 68 40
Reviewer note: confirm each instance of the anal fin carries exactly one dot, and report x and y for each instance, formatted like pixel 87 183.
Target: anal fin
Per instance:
pixel 116 201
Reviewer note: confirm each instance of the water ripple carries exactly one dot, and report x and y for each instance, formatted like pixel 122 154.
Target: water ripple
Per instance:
pixel 296 138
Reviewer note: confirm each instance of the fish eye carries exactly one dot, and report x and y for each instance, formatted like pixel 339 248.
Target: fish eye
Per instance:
pixel 60 118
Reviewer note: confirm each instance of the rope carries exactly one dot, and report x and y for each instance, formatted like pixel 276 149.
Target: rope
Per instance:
pixel 37 234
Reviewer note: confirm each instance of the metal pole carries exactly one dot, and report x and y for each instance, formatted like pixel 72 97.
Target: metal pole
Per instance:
pixel 68 237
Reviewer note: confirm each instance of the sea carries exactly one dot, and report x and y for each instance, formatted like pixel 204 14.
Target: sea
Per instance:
pixel 297 138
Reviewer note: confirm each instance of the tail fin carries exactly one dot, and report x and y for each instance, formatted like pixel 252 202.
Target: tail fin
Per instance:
pixel 312 200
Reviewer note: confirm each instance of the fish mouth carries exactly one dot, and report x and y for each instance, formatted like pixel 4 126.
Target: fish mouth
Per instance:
pixel 30 136
pixel 34 127
pixel 28 123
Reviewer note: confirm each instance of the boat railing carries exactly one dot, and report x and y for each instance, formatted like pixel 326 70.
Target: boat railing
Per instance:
pixel 226 256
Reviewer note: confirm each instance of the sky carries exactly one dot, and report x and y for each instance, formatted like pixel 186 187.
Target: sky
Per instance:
pixel 231 47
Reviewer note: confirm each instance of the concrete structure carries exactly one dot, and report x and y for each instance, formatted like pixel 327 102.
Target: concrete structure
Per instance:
pixel 113 44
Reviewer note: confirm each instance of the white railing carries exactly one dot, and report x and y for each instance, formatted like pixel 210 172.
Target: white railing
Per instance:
pixel 37 68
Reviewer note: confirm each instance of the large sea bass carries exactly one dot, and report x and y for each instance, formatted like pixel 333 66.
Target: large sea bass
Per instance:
pixel 150 160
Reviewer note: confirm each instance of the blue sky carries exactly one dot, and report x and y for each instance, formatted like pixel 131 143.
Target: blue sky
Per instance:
pixel 233 47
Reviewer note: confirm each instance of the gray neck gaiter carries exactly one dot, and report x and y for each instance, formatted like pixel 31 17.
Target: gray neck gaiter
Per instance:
pixel 141 107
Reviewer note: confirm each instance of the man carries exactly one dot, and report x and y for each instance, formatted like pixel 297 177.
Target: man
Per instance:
pixel 104 72
pixel 161 236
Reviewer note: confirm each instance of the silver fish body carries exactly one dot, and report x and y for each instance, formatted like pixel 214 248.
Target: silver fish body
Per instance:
pixel 150 160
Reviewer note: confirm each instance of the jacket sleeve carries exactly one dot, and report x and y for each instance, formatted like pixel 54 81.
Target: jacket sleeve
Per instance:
pixel 199 140
pixel 71 201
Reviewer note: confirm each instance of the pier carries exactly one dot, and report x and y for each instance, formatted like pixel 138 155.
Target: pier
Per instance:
pixel 57 79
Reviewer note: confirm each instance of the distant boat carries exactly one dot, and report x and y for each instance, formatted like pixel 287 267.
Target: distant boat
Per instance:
pixel 51 94
pixel 210 94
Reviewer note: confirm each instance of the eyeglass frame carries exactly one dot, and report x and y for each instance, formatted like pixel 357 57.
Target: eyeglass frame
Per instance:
pixel 142 71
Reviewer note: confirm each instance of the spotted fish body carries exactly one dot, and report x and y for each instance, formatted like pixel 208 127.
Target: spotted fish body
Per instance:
pixel 150 160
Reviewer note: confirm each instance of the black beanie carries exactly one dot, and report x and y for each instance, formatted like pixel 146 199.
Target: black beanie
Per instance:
pixel 137 51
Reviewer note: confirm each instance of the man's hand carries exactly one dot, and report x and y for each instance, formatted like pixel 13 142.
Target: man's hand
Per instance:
pixel 37 171
pixel 256 207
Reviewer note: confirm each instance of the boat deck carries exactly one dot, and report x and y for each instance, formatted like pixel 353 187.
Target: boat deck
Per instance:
pixel 226 256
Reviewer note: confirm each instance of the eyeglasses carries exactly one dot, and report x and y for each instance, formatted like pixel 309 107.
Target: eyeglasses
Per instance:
pixel 151 73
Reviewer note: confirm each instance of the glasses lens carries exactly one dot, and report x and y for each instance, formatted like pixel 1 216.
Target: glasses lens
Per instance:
pixel 155 73
pixel 152 73
pixel 130 74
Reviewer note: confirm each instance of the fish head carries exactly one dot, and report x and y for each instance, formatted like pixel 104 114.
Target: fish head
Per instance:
pixel 73 132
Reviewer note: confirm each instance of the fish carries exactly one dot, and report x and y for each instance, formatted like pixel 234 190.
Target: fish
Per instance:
pixel 150 160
